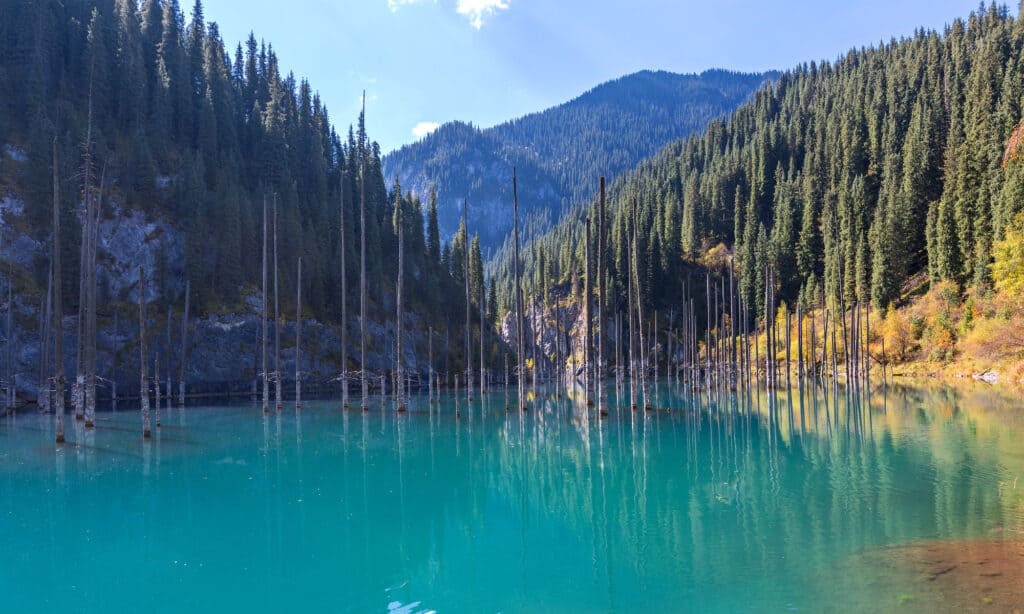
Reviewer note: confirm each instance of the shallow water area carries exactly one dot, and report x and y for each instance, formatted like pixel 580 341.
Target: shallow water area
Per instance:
pixel 717 504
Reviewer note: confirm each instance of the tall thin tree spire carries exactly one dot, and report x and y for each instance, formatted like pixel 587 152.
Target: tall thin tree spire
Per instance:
pixel 263 316
pixel 78 391
pixel 143 361
pixel 399 224
pixel 277 323
pixel 58 311
pixel 344 296
pixel 362 257
pixel 483 300
pixel 90 307
pixel 298 339
pixel 469 330
pixel 600 301
pixel 586 314
pixel 518 291
pixel 183 359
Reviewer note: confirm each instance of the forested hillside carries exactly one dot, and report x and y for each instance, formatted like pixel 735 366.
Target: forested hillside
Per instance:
pixel 608 130
pixel 883 170
pixel 190 130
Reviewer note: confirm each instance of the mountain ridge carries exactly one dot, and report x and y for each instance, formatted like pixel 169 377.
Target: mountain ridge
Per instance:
pixel 607 129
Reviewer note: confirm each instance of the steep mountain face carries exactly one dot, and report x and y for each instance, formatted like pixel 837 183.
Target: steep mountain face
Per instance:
pixel 560 152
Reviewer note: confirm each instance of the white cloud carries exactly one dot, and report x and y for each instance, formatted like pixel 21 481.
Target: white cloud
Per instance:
pixel 477 10
pixel 473 10
pixel 422 129
pixel 394 5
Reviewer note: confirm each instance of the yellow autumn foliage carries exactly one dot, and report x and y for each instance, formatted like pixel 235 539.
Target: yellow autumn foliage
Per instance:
pixel 1008 264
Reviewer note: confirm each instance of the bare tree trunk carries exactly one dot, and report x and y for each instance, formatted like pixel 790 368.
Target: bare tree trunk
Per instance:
pixel 630 311
pixel 399 389
pixel 298 339
pixel 344 299
pixel 639 311
pixel 277 323
pixel 430 365
pixel 90 348
pixel 767 331
pixel 533 333
pixel 167 374
pixel 483 300
pixel 598 375
pixel 518 291
pixel 799 344
pixel 586 314
pixel 362 264
pixel 469 330
pixel 183 359
pixel 43 395
pixel 156 387
pixel 789 355
pixel 143 360
pixel 58 307
pixel 78 391
pixel 263 337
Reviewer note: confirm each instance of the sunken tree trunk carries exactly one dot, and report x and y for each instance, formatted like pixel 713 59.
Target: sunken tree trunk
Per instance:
pixel 58 311
pixel 143 375
pixel 277 323
pixel 344 300
pixel 298 339
pixel 399 223
pixel 362 262
pixel 600 301
pixel 183 360
pixel 263 337
pixel 469 334
pixel 518 291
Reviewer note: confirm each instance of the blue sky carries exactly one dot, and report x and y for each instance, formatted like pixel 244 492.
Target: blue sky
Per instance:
pixel 424 62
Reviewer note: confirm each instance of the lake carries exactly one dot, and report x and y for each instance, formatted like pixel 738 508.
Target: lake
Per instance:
pixel 912 499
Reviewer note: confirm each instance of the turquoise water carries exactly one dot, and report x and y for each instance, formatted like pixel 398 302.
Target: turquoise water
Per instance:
pixel 698 507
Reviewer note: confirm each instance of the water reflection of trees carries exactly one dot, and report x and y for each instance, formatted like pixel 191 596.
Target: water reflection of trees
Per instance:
pixel 687 497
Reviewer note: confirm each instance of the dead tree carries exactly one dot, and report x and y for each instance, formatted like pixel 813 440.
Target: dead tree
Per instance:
pixel 586 314
pixel 469 333
pixel 298 339
pixel 344 298
pixel 277 323
pixel 518 291
pixel 639 312
pixel 483 300
pixel 183 359
pixel 629 315
pixel 430 365
pixel 362 258
pixel 43 395
pixel 168 382
pixel 58 310
pixel 263 314
pixel 600 300
pixel 90 320
pixel 143 375
pixel 156 387
pixel 399 224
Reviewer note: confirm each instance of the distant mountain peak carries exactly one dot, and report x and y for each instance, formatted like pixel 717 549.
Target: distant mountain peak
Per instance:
pixel 560 152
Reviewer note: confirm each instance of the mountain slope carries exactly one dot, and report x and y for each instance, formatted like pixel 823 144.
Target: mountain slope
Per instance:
pixel 191 141
pixel 853 181
pixel 560 152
